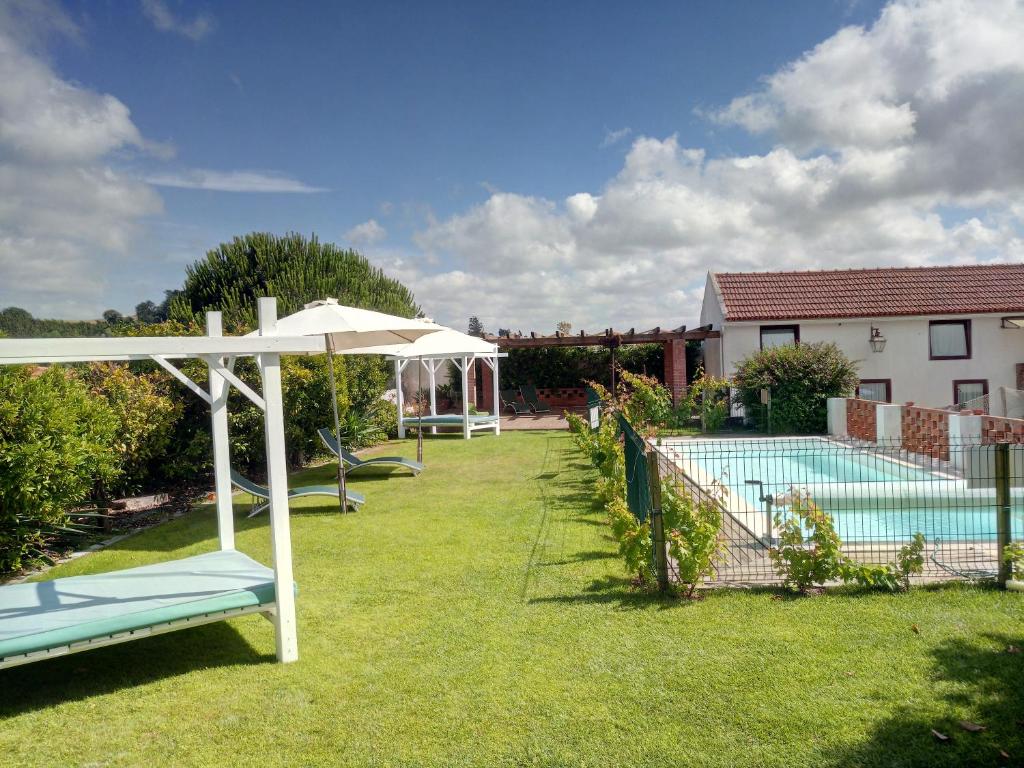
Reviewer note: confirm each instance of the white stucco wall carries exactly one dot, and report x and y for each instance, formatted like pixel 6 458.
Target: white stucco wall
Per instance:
pixel 994 354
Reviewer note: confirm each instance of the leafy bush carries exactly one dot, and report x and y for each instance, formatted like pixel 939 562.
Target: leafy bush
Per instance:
pixel 708 396
pixel 801 378
pixel 633 538
pixel 55 443
pixel 1014 555
pixel 146 415
pixel 646 402
pixel 692 530
pixel 808 551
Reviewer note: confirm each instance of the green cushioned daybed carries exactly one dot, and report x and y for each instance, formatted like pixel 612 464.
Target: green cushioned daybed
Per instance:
pixel 447 420
pixel 52 618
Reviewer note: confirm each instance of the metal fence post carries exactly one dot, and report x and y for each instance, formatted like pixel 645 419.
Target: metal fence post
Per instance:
pixel 657 522
pixel 1003 531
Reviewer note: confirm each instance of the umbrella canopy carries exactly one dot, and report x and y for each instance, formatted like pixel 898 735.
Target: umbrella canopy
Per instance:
pixel 344 328
pixel 348 327
pixel 443 343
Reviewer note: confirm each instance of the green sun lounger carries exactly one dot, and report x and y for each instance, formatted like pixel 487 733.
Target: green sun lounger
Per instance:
pixel 529 393
pixel 510 399
pixel 354 462
pixel 54 618
pixel 261 494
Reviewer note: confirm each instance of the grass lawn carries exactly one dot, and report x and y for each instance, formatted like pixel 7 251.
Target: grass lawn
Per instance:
pixel 478 615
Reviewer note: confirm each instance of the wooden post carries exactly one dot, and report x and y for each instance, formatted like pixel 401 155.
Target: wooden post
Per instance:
pixel 219 390
pixel 1003 528
pixel 277 478
pixel 657 522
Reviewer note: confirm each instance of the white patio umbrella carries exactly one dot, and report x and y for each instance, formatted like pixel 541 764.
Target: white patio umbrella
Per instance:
pixel 345 328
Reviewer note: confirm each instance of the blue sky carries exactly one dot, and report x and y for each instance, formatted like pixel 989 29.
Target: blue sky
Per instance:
pixel 488 143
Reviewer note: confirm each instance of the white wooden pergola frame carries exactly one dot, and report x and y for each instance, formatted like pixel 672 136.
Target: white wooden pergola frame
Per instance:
pixel 219 353
pixel 432 364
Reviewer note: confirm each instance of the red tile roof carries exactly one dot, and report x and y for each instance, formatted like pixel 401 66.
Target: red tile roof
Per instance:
pixel 883 292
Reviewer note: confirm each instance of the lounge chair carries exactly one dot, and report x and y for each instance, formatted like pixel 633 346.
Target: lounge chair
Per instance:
pixel 529 393
pixel 510 399
pixel 354 462
pixel 261 494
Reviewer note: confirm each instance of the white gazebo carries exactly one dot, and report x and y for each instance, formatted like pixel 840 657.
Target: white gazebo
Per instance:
pixel 431 352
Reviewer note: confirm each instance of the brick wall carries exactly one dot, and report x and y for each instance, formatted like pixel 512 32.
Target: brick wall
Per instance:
pixel 926 430
pixel 563 397
pixel 861 419
pixel 995 429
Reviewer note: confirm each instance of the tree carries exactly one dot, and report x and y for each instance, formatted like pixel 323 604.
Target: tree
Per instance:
pixel 112 317
pixel 292 268
pixel 476 328
pixel 564 327
pixel 150 313
pixel 801 378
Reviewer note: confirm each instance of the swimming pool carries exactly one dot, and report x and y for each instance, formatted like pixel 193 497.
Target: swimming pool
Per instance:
pixel 872 495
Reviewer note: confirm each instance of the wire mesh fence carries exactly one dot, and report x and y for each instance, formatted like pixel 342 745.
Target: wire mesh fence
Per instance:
pixel 879 497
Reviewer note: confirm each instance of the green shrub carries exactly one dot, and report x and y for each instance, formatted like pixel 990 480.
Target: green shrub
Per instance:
pixel 708 396
pixel 646 402
pixel 692 530
pixel 146 414
pixel 1014 555
pixel 55 444
pixel 801 378
pixel 808 551
pixel 633 539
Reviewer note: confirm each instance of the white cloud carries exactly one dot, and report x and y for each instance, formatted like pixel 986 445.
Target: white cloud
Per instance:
pixel 366 233
pixel 232 181
pixel 64 211
pixel 885 138
pixel 614 137
pixel 164 20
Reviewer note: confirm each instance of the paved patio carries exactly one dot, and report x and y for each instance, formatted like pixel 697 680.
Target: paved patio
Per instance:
pixel 551 420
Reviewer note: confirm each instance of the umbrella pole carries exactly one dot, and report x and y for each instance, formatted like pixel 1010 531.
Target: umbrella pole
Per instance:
pixel 342 491
pixel 419 411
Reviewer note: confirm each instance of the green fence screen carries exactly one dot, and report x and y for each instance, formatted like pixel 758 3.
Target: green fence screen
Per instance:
pixel 638 492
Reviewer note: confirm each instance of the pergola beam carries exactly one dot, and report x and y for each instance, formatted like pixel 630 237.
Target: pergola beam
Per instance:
pixel 654 336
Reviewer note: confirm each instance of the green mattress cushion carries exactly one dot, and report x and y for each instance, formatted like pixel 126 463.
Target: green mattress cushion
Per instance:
pixel 448 418
pixel 49 614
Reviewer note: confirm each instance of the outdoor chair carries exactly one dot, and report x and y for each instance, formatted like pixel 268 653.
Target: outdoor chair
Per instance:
pixel 354 462
pixel 510 399
pixel 529 393
pixel 261 494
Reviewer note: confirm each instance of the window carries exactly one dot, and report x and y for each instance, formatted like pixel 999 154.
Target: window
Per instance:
pixel 965 390
pixel 875 389
pixel 777 335
pixel 949 339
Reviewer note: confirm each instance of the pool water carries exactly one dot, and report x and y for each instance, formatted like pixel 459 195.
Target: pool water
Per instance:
pixel 871 495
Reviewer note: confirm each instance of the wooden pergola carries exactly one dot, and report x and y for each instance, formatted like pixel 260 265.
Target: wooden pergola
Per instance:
pixel 674 342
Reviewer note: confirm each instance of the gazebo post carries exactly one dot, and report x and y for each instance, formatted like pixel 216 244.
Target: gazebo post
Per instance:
pixel 399 397
pixel 219 389
pixel 432 380
pixel 286 634
pixel 494 393
pixel 465 398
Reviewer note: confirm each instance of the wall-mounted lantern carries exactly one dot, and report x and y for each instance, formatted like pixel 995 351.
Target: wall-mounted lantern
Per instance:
pixel 877 340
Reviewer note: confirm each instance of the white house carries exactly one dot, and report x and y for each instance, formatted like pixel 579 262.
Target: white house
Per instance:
pixel 936 336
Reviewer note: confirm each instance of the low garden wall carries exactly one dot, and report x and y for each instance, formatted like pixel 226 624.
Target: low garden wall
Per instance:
pixel 861 419
pixel 563 397
pixel 925 431
pixel 928 431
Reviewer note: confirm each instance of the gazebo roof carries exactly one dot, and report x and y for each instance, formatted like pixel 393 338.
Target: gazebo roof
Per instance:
pixel 442 344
